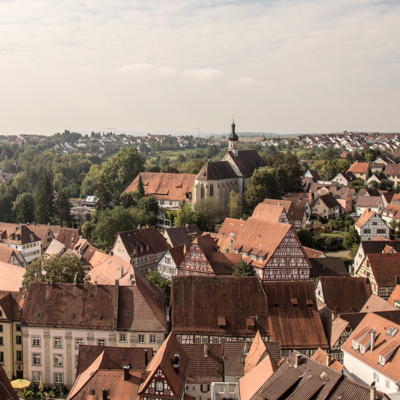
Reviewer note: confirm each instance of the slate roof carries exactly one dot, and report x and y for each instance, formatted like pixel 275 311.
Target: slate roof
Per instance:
pixel 345 294
pixel 328 266
pixel 136 357
pixel 216 170
pixel 165 186
pixel 247 161
pixel 11 276
pixel 182 235
pixel 7 392
pixel 385 267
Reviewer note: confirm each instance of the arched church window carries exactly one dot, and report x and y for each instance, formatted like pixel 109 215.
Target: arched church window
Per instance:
pixel 211 190
pixel 202 192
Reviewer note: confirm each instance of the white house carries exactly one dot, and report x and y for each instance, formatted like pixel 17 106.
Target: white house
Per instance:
pixel 370 225
pixel 169 263
pixel 371 353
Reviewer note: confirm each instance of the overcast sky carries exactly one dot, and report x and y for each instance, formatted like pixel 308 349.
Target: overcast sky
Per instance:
pixel 169 65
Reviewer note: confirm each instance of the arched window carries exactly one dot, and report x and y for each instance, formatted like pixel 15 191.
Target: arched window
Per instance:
pixel 202 193
pixel 159 386
pixel 211 190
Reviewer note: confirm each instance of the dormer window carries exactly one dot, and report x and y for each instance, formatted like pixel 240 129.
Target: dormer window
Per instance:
pixel 253 257
pixel 245 254
pixel 362 349
pixel 260 258
pixel 355 345
pixel 381 360
pixel 141 249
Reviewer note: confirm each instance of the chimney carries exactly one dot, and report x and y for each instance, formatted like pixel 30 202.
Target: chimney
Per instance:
pixel 105 394
pixel 187 227
pixel 138 226
pixel 328 360
pixel 205 349
pixel 175 363
pixel 372 341
pixel 372 393
pixel 121 272
pixel 126 372
pixel 297 360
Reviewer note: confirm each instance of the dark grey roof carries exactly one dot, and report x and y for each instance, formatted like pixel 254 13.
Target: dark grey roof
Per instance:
pixel 247 161
pixel 329 266
pixel 329 201
pixel 216 170
pixel 376 246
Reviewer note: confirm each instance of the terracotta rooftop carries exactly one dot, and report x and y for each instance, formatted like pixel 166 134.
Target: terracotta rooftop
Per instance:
pixel 365 217
pixel 7 392
pixel 313 253
pixel 11 277
pixel 165 186
pixel 295 208
pixel 231 227
pixel 345 294
pixel 182 235
pixel 324 358
pixel 382 326
pixel 329 201
pixel 392 169
pixel 16 234
pixel 98 258
pixel 6 252
pixel 376 303
pixel 69 237
pixel 269 212
pixel 385 267
pixel 257 352
pixel 56 247
pixel 43 232
pixel 395 296
pixel 359 167
pixel 177 254
pixel 12 304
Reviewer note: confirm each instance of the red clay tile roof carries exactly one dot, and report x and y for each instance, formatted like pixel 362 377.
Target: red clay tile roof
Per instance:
pixel 269 212
pixel 297 326
pixel 368 201
pixel 163 360
pixel 205 369
pixel 177 254
pixel 371 358
pixel 376 303
pixel 395 295
pixel 182 235
pixel 313 253
pixel 295 209
pixel 164 186
pixel 6 252
pixel 98 258
pixel 231 227
pixel 42 231
pixel 328 200
pixel 345 294
pixel 385 267
pixel 365 217
pixel 359 167
pixel 392 169
pixel 256 353
pixel 6 390
pixel 16 234
pixel 69 237
pixel 136 357
pixel 324 358
pixel 11 277
pixel 12 304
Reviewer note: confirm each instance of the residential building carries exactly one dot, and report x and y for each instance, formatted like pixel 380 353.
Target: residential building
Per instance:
pixel 360 170
pixel 143 248
pixel 59 317
pixel 377 168
pixel 313 174
pixel 372 203
pixel 20 237
pixel 44 233
pixel 232 309
pixel 326 206
pixel 327 266
pixel 383 271
pixel 371 353
pixel 11 277
pixel 344 197
pixel 344 178
pixel 7 391
pixel 165 375
pixel 169 264
pixel 378 178
pixel 370 225
pixel 11 305
pixel 273 249
pixel 391 212
pixel 12 256
pixel 392 171
pixel 204 258
pixel 182 235
pixel 394 298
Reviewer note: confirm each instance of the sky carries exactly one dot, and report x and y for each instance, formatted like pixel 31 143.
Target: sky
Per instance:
pixel 287 66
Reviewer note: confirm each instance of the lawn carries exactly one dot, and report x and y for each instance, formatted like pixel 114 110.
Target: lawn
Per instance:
pixel 331 234
pixel 171 154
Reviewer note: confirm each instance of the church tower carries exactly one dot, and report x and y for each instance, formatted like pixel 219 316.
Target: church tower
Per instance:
pixel 233 138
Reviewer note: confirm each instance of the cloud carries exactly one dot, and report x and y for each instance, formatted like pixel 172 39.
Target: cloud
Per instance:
pixel 202 73
pixel 247 81
pixel 143 68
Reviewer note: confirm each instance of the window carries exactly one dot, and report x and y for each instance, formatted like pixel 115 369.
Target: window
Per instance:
pixel 215 340
pixel 1 356
pixel 211 190
pixel 374 223
pixel 1 328
pixel 381 231
pixel 36 359
pixel 141 339
pixel 122 337
pixel 19 355
pixel 205 388
pixel 36 376
pixel 58 360
pixel 387 383
pixel 1 341
pixel 152 338
pixel 1 313
pixel 58 378
pixel 159 386
pixel 19 339
pixel 57 343
pixel 36 341
pixel 101 342
pixel 78 342
pixel 367 230
pixel 376 377
pixel 254 257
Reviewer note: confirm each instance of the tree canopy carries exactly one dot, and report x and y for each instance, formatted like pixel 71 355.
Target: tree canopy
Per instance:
pixel 155 277
pixel 243 269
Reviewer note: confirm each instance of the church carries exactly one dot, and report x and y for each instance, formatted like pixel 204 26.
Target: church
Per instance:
pixel 216 179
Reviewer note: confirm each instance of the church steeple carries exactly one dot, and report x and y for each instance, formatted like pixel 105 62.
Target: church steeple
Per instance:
pixel 233 138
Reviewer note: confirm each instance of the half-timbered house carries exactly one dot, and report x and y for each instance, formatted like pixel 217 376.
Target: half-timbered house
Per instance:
pixel 274 251
pixel 170 262
pixel 370 225
pixel 204 258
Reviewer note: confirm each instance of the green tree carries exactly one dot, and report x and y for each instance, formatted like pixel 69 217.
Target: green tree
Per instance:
pixel 44 200
pixel 88 186
pixel 210 211
pixel 185 215
pixel 351 238
pixel 234 204
pixel 24 208
pixel 305 238
pixel 164 284
pixel 122 169
pixel 56 269
pixel 63 209
pixel 243 269
pixel 103 194
pixel 21 183
pixel 393 225
pixel 149 204
pixel 140 187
